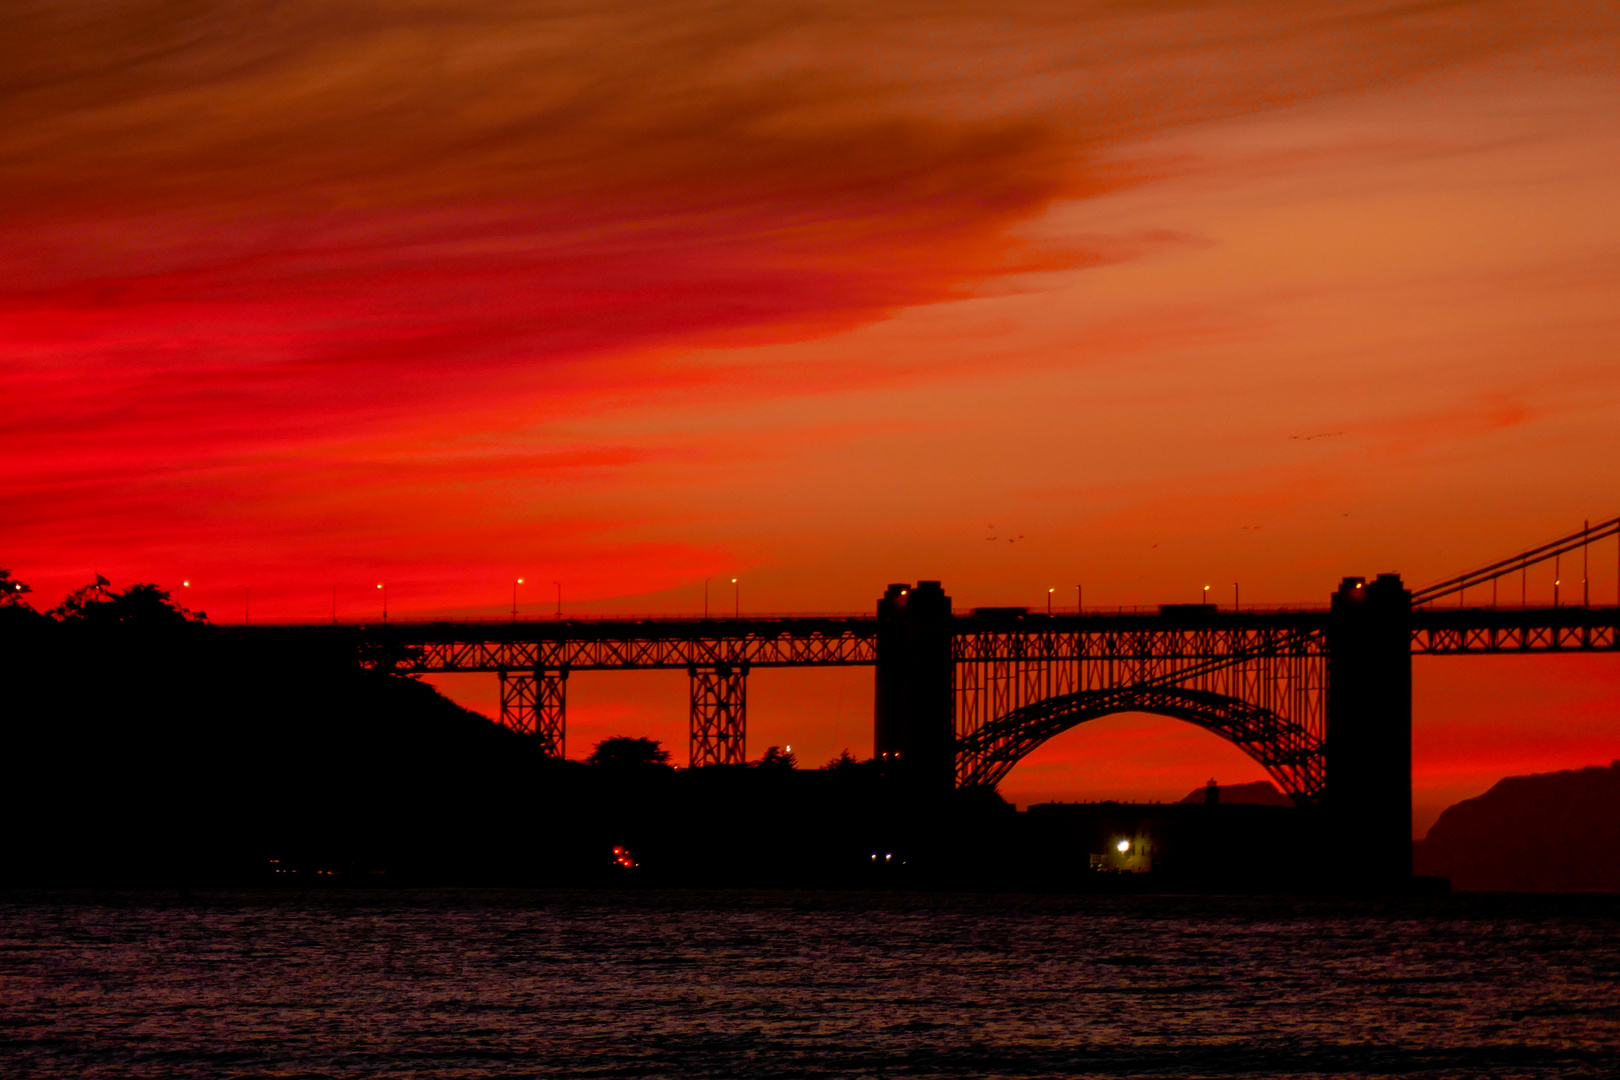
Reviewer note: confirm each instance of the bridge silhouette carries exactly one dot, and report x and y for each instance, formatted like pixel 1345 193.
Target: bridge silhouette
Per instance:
pixel 1321 697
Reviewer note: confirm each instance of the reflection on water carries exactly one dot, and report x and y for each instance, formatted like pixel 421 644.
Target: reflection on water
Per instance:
pixel 474 984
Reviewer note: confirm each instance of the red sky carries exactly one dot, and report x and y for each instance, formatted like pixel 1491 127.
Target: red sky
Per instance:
pixel 820 296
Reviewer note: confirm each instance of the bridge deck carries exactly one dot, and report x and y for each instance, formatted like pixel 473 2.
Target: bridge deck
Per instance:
pixel 1001 635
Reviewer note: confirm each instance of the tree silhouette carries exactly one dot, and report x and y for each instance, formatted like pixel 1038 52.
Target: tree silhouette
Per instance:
pixel 776 758
pixel 143 604
pixel 845 760
pixel 12 590
pixel 81 603
pixel 625 752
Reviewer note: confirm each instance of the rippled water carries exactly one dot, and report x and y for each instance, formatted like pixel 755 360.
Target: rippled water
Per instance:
pixel 476 984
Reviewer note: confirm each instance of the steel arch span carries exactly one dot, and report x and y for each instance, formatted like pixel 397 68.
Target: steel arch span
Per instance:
pixel 1287 750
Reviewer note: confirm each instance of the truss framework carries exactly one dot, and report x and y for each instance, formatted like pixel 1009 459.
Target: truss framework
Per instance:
pixel 1289 750
pixel 1515 630
pixel 1263 687
pixel 719 717
pixel 1272 664
pixel 535 703
pixel 813 646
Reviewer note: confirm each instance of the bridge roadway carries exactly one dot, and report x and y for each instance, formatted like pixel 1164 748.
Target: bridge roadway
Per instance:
pixel 982 636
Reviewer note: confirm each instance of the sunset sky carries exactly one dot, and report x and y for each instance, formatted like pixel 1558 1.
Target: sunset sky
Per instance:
pixel 821 296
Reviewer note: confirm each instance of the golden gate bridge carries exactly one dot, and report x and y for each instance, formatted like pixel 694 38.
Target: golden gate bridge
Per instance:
pixel 1318 696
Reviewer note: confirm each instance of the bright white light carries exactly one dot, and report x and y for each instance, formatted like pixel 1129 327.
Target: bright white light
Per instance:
pixel 1123 846
pixel 187 584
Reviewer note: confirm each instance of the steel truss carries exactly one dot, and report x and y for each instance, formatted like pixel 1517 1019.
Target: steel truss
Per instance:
pixel 719 718
pixel 535 703
pixel 1289 750
pixel 1262 686
pixel 1257 678
pixel 594 646
pixel 1516 630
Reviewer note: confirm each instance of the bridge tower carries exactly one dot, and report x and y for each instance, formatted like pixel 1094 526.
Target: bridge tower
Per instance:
pixel 718 732
pixel 913 723
pixel 536 703
pixel 1368 754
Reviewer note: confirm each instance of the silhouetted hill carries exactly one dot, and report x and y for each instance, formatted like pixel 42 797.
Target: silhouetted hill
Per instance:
pixel 1551 832
pixel 1259 793
pixel 164 749
pixel 139 744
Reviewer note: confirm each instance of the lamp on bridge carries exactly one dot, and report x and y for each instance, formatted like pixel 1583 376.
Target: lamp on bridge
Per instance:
pixel 515 584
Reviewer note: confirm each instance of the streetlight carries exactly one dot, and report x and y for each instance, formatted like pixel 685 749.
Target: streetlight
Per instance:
pixel 736 596
pixel 384 589
pixel 1049 593
pixel 515 584
pixel 706 597
pixel 1235 604
pixel 1206 594
pixel 559 598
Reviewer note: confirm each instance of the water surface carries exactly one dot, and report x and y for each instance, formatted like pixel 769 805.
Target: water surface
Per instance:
pixel 506 984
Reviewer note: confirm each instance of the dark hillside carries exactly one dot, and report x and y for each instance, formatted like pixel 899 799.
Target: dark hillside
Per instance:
pixel 140 745
pixel 1551 832
pixel 158 747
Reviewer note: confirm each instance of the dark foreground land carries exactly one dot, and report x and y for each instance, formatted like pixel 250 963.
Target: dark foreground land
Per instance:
pixel 728 984
pixel 139 747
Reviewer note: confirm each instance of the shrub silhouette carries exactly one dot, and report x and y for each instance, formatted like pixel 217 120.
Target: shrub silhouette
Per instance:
pixel 626 752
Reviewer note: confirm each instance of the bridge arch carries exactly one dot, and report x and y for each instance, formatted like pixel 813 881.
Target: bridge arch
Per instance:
pixel 1282 747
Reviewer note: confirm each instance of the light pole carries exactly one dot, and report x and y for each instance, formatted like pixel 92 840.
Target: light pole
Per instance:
pixel 1206 595
pixel 1235 604
pixel 706 597
pixel 1049 593
pixel 335 584
pixel 559 598
pixel 1079 604
pixel 515 584
pixel 384 589
pixel 736 596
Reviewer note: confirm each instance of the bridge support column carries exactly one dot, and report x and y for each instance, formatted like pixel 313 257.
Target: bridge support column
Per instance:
pixel 719 724
pixel 1368 793
pixel 535 703
pixel 914 715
